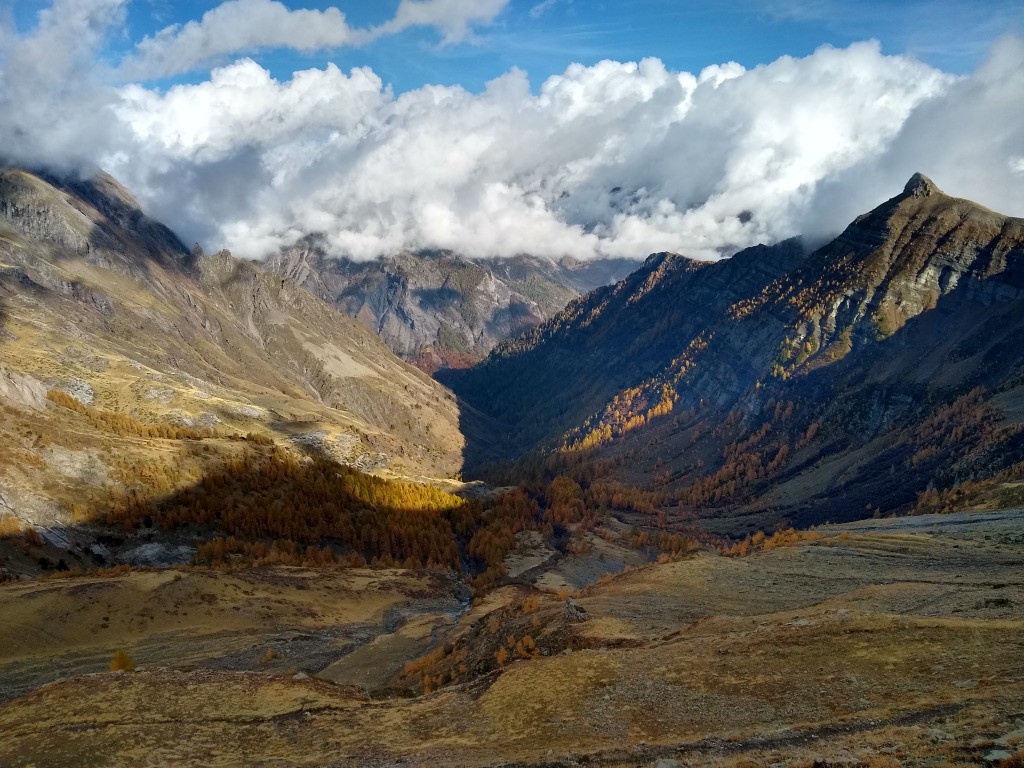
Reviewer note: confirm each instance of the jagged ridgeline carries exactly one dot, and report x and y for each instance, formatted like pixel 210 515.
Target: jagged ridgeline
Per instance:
pixel 778 384
pixel 441 309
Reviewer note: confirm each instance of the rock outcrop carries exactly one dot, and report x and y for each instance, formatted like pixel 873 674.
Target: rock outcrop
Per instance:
pixel 440 309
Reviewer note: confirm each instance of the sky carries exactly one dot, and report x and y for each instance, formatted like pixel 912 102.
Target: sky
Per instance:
pixel 496 127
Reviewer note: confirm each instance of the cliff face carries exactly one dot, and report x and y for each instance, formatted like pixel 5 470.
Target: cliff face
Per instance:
pixel 897 261
pixel 439 309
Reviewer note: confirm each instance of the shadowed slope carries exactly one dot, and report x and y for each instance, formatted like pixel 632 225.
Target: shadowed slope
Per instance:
pixel 108 306
pixel 722 379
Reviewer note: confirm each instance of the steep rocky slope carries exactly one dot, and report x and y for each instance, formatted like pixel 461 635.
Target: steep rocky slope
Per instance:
pixel 849 361
pixel 103 303
pixel 441 309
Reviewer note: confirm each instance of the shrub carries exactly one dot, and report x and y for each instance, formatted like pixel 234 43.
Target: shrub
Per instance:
pixel 122 662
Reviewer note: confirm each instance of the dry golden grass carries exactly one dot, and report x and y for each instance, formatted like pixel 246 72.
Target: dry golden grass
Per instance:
pixel 122 662
pixel 877 649
pixel 43 618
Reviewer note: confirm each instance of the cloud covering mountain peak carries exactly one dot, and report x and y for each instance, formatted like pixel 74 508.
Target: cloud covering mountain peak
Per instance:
pixel 617 159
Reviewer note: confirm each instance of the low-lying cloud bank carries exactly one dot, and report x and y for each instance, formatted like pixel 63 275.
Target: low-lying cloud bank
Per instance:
pixel 617 159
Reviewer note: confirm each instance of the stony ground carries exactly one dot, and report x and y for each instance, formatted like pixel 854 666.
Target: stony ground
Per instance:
pixel 885 643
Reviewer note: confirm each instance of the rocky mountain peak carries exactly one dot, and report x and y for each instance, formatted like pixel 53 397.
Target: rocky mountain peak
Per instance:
pixel 439 309
pixel 921 186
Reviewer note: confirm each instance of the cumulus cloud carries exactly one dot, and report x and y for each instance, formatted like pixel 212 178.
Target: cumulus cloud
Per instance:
pixel 615 159
pixel 238 25
pixel 54 109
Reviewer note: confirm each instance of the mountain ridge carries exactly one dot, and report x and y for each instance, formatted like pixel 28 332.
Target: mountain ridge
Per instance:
pixel 676 363
pixel 438 309
pixel 99 301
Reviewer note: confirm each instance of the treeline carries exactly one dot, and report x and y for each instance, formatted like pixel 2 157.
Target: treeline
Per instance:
pixel 275 496
pixel 271 506
pixel 762 541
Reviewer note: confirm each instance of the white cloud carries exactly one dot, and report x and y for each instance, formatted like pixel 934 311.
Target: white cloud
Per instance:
pixel 238 25
pixel 454 18
pixel 965 138
pixel 614 159
pixel 53 108
pixel 245 26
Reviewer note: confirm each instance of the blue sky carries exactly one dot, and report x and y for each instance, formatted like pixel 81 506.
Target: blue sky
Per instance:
pixel 582 128
pixel 543 36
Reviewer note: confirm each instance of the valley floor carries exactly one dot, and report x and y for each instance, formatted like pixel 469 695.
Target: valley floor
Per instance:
pixel 881 643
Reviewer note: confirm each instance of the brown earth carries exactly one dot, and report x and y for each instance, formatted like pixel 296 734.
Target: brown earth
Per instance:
pixel 884 643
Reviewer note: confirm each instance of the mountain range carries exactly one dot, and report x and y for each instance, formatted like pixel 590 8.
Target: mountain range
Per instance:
pixel 779 386
pixel 237 528
pixel 439 309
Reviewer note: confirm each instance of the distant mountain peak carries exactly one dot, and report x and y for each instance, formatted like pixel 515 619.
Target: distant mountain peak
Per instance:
pixel 921 186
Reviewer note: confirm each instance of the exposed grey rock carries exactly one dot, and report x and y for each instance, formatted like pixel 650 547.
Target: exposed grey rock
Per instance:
pixel 995 755
pixel 79 389
pixel 162 396
pixel 22 389
pixel 1012 738
pixel 85 466
pixel 185 419
pixel 442 305
pixel 344 448
pixel 575 612
pixel 157 554
pixel 248 412
pixel 27 205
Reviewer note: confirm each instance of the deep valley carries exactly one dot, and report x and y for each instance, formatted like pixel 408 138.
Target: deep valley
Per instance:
pixel 759 511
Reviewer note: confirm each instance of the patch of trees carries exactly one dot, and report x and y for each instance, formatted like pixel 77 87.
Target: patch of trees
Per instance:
pixel 275 496
pixel 749 460
pixel 492 535
pixel 1004 489
pixel 638 406
pixel 761 541
pixel 125 426
pixel 262 504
